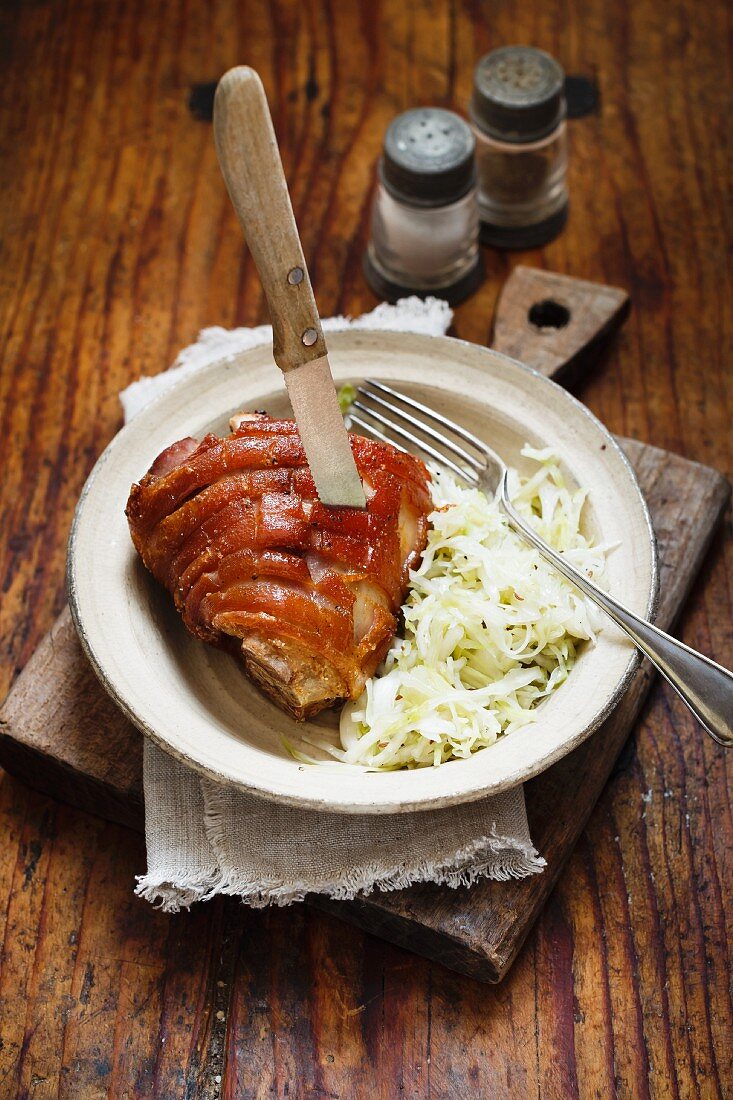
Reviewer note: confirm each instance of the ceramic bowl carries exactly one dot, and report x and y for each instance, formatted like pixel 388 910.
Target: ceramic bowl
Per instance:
pixel 196 702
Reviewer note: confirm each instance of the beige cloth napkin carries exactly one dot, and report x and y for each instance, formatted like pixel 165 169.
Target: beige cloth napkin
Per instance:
pixel 204 839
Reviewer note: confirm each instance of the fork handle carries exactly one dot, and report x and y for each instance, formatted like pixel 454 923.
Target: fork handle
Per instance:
pixel 704 686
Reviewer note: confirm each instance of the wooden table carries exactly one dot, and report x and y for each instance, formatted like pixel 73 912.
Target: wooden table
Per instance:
pixel 119 245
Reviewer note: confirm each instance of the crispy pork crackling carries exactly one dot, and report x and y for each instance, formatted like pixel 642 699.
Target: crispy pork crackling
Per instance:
pixel 306 595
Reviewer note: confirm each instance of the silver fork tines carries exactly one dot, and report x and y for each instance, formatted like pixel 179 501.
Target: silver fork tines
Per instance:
pixel 415 443
pixel 471 467
pixel 429 413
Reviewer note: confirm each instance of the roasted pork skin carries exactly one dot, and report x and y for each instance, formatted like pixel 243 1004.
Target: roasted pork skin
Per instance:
pixel 306 595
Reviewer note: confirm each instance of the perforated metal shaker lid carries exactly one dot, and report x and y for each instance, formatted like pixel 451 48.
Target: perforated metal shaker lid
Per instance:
pixel 428 157
pixel 518 94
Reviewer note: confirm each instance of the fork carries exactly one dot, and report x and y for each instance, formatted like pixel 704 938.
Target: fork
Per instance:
pixel 704 686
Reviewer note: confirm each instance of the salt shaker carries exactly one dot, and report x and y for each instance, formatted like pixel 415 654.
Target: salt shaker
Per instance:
pixel 518 113
pixel 425 215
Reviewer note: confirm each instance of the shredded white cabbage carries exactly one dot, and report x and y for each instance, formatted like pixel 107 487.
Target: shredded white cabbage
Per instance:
pixel 490 629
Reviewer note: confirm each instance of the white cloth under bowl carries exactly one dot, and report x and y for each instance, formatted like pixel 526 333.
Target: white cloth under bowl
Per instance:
pixel 205 839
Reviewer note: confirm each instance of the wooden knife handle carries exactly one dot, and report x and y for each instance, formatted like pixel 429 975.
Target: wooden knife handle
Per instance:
pixel 250 162
pixel 554 322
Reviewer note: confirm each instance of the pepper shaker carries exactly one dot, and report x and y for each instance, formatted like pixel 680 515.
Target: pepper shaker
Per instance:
pixel 518 113
pixel 425 216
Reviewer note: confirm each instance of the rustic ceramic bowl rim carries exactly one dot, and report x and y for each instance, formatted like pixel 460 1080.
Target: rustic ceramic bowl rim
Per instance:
pixel 310 803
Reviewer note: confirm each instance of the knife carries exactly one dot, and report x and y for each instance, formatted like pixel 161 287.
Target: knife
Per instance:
pixel 250 163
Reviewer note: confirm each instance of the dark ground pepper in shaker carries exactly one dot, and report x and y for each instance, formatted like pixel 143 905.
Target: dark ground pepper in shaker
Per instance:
pixel 518 114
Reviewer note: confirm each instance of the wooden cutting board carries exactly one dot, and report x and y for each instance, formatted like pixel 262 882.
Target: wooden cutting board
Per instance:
pixel 62 734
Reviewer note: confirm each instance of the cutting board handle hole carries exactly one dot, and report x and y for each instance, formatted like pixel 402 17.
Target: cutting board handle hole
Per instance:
pixel 548 315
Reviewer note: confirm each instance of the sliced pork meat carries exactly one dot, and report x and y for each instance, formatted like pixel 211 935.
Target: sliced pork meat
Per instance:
pixel 305 594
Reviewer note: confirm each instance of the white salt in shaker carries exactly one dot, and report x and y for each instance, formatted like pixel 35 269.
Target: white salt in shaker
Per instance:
pixel 425 215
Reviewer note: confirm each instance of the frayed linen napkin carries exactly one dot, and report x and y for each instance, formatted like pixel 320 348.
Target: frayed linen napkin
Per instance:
pixel 205 839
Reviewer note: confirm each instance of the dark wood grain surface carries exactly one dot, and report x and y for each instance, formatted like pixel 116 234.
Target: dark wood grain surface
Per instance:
pixel 118 245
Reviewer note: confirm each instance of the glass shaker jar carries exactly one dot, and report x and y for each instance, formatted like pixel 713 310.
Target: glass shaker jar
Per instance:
pixel 425 216
pixel 518 113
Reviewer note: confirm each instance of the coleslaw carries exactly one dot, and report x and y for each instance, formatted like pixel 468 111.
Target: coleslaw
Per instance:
pixel 490 628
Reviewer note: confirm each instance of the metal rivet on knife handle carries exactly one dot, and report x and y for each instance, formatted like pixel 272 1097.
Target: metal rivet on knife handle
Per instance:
pixel 295 276
pixel 309 337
